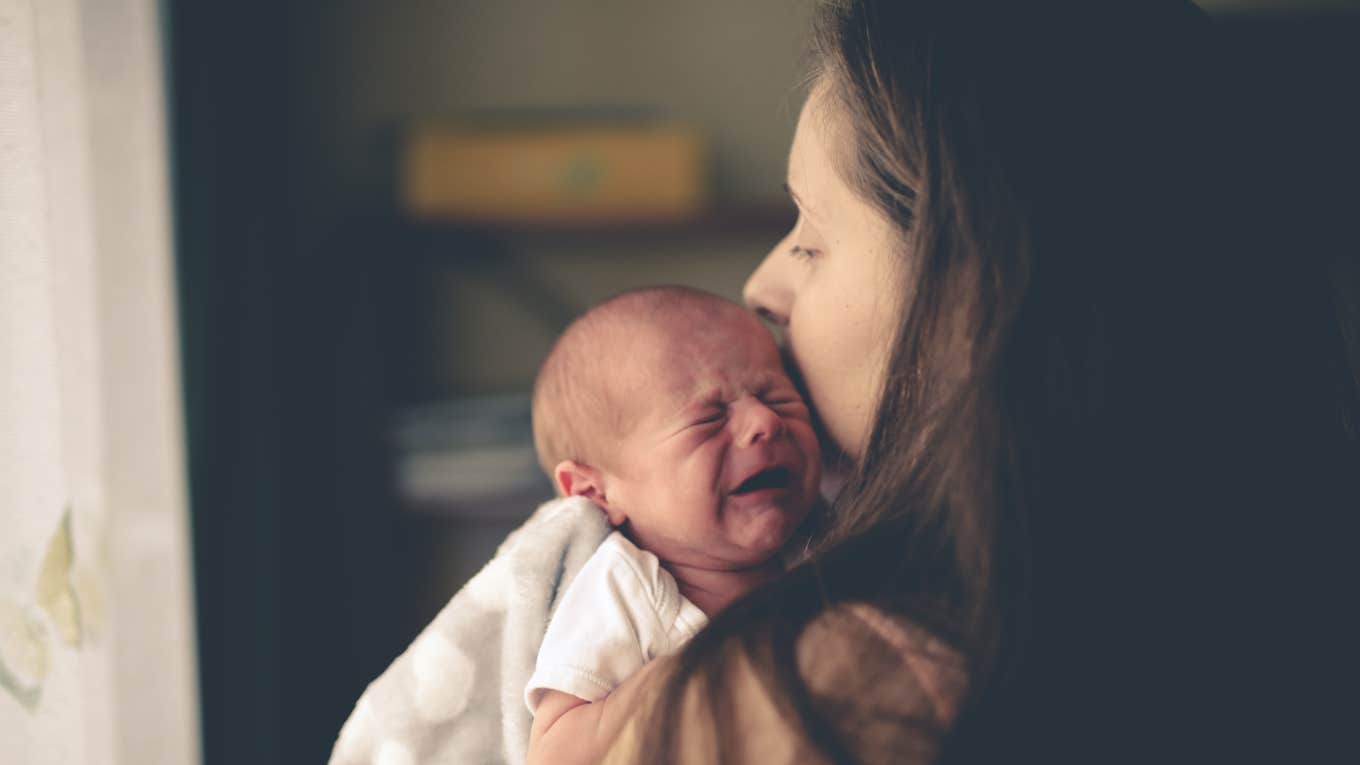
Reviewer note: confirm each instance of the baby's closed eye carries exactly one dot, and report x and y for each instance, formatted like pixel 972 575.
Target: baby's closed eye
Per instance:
pixel 715 414
pixel 711 419
pixel 782 399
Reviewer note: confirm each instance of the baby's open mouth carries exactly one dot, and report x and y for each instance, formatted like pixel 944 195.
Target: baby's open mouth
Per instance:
pixel 770 478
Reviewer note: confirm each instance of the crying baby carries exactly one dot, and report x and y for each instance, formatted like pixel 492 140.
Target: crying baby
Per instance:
pixel 669 408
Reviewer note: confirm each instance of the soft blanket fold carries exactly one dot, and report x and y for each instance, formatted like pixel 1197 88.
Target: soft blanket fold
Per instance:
pixel 457 693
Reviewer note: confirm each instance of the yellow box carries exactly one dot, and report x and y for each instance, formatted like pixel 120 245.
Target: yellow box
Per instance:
pixel 554 175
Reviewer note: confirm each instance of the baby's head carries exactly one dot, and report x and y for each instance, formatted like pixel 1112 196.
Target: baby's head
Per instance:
pixel 670 409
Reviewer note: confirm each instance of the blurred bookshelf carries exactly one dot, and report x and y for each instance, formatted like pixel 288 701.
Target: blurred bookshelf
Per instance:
pixel 737 221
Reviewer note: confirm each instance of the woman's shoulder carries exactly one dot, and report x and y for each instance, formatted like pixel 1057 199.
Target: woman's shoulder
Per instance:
pixel 886 687
pixel 866 662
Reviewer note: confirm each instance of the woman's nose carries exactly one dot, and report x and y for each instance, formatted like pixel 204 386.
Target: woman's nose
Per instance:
pixel 767 291
pixel 757 422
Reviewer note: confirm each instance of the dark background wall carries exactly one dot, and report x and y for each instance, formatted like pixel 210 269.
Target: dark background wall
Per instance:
pixel 307 323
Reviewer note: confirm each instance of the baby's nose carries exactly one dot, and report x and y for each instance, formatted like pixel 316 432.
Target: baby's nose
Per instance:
pixel 759 423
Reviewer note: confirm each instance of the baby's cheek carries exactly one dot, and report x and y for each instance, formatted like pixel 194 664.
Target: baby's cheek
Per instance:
pixel 813 476
pixel 694 502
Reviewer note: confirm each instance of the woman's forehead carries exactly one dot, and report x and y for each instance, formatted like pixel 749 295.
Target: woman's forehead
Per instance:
pixel 813 178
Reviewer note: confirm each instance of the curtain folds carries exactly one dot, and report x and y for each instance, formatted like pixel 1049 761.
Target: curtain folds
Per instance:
pixel 96 639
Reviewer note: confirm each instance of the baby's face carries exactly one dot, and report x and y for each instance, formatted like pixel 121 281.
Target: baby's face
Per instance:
pixel 721 465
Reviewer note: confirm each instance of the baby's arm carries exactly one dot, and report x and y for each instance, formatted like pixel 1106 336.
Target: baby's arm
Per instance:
pixel 568 729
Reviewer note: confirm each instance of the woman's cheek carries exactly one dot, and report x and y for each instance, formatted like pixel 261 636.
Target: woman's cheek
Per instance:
pixel 825 373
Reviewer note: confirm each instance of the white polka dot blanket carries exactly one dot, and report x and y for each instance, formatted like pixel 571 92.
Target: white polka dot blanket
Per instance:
pixel 457 694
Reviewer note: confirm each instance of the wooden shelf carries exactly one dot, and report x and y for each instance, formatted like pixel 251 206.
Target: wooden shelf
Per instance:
pixel 733 222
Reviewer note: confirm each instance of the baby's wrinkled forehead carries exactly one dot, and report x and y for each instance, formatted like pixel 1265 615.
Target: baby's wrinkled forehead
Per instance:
pixel 669 333
pixel 719 358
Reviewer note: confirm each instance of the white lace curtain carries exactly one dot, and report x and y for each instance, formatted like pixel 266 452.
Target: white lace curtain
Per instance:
pixel 96 627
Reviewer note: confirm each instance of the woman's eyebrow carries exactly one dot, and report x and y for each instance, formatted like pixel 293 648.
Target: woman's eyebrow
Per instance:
pixel 802 205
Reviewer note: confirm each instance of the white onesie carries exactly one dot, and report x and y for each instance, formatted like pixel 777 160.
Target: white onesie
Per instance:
pixel 621 611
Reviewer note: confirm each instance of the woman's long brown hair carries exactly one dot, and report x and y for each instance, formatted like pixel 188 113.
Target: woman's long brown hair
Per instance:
pixel 1109 377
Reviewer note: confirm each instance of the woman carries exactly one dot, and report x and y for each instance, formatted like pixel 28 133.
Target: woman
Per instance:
pixel 1077 391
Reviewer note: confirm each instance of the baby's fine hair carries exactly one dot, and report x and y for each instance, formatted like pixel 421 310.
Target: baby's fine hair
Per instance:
pixel 574 401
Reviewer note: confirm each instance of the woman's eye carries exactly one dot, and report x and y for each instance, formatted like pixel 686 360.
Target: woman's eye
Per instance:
pixel 805 253
pixel 709 419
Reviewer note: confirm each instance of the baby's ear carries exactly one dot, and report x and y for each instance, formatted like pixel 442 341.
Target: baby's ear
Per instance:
pixel 574 479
